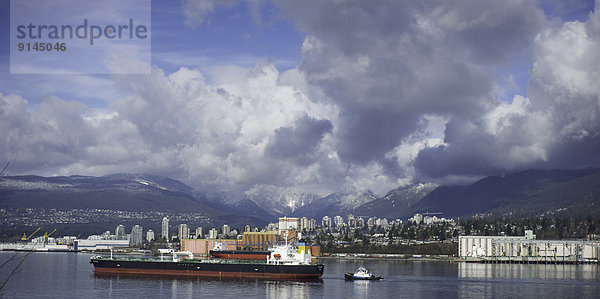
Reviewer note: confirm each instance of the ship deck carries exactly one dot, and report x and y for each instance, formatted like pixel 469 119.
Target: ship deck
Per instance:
pixel 185 261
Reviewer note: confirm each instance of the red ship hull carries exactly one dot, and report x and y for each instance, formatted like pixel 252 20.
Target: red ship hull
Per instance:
pixel 240 255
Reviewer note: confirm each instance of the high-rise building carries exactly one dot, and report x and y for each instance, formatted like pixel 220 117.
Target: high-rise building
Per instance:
pixel 226 230
pixel 360 222
pixel 184 232
pixel 351 220
pixel 272 227
pixel 418 218
pixel 304 224
pixel 199 232
pixel 286 223
pixel 384 223
pixel 326 222
pixel 120 232
pixel 312 224
pixel 165 229
pixel 247 228
pixel 150 235
pixel 213 233
pixel 428 220
pixel 338 221
pixel 136 236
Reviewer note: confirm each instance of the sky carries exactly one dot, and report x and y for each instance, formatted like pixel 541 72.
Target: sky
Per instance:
pixel 324 96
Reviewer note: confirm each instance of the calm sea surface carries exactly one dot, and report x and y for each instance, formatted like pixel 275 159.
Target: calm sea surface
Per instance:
pixel 69 275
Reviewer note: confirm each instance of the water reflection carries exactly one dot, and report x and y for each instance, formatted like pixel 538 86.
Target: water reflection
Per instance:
pixel 527 280
pixel 290 289
pixel 191 287
pixel 361 288
pixel 70 275
pixel 528 271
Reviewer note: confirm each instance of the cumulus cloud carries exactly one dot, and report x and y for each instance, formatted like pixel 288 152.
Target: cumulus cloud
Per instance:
pixel 386 65
pixel 556 127
pixel 244 129
pixel 385 94
pixel 197 12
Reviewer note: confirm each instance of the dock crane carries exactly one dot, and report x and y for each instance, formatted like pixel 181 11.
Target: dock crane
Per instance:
pixel 4 169
pixel 46 234
pixel 25 237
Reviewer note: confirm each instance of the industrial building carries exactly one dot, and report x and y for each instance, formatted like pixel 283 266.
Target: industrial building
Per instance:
pixel 201 247
pixel 527 249
pixel 259 240
pixel 99 244
pixel 250 241
pixel 286 223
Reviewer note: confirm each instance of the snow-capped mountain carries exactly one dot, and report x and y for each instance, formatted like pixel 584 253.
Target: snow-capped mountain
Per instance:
pixel 335 204
pixel 277 201
pixel 139 182
pixel 396 202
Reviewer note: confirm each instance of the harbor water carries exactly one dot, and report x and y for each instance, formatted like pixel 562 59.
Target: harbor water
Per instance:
pixel 69 275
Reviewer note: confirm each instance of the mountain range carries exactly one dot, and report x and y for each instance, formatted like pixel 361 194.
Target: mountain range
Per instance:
pixel 520 194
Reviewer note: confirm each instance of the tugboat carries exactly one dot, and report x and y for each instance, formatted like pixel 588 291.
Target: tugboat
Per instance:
pixel 361 274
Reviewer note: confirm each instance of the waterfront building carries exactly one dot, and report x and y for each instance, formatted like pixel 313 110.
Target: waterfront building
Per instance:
pixel 527 249
pixel 107 236
pixel 120 232
pixel 272 226
pixel 96 244
pixel 184 232
pixel 286 223
pixel 165 229
pixel 226 230
pixel 259 240
pixel 213 233
pixel 201 247
pixel 150 235
pixel 136 236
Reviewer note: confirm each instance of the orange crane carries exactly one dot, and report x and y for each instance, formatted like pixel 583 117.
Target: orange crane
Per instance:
pixel 25 237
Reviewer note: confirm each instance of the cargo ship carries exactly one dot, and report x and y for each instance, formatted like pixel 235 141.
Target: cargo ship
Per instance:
pixel 220 252
pixel 282 263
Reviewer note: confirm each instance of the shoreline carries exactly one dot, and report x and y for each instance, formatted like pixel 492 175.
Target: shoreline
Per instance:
pixel 384 256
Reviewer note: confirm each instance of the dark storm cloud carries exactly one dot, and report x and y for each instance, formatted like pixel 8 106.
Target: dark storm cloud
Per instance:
pixel 298 142
pixel 386 92
pixel 558 126
pixel 469 156
pixel 389 64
